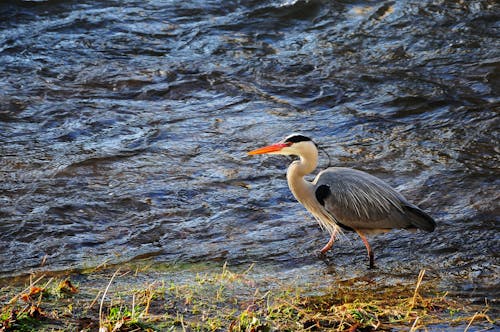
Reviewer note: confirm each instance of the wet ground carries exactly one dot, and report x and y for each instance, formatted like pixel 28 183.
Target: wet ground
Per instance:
pixel 124 127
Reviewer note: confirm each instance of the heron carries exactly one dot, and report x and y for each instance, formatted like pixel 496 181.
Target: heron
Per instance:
pixel 346 199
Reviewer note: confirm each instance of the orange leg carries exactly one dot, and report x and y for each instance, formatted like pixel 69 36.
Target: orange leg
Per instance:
pixel 368 248
pixel 330 243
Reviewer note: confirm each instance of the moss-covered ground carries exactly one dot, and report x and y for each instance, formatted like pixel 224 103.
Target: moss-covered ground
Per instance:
pixel 131 298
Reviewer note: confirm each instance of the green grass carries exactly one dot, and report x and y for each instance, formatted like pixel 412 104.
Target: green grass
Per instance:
pixel 225 301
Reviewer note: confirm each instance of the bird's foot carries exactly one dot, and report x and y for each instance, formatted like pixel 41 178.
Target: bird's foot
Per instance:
pixel 321 254
pixel 325 249
pixel 371 264
pixel 329 245
pixel 369 250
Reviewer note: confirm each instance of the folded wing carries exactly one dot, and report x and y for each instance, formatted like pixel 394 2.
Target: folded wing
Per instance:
pixel 358 200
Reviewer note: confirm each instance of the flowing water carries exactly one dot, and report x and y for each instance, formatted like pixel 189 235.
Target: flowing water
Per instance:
pixel 124 127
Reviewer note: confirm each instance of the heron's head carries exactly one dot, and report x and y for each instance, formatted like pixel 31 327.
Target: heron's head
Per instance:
pixel 295 144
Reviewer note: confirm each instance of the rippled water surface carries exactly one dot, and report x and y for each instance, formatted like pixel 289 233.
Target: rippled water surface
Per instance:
pixel 124 127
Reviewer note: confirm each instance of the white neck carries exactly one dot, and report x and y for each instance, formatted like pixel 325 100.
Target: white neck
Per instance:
pixel 302 189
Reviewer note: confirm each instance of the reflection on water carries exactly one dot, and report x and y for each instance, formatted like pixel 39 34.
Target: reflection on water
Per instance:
pixel 124 128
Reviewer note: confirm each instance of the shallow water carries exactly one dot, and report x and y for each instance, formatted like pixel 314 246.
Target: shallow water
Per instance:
pixel 124 127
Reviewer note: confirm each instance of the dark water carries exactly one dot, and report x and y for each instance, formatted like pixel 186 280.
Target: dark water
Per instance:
pixel 124 127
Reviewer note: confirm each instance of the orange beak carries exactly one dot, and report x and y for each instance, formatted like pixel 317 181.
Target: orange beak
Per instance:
pixel 269 149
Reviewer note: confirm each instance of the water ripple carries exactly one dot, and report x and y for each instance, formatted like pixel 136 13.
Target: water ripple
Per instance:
pixel 124 128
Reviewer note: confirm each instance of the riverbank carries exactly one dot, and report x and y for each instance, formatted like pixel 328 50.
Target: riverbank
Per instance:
pixel 152 297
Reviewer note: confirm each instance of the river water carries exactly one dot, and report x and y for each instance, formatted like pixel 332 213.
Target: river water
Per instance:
pixel 124 127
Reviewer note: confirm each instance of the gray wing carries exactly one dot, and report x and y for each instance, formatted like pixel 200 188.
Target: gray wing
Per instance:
pixel 359 200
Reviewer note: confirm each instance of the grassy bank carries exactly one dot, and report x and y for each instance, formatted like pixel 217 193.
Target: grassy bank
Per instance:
pixel 129 299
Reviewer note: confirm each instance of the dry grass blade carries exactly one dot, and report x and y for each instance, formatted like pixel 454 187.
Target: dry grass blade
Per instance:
pixel 101 320
pixel 32 283
pixel 470 322
pixel 414 327
pixel 94 301
pixel 415 294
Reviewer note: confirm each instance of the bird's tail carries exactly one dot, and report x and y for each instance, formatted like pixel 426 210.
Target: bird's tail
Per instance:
pixel 419 218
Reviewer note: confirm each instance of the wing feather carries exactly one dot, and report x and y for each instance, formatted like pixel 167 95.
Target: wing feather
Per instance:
pixel 361 201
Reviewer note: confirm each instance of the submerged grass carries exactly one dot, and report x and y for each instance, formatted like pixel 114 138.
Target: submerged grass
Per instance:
pixel 228 301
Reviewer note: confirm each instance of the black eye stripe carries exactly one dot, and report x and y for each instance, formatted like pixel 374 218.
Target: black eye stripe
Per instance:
pixel 297 138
